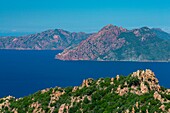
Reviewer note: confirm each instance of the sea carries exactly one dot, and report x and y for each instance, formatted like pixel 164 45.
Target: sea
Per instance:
pixel 23 72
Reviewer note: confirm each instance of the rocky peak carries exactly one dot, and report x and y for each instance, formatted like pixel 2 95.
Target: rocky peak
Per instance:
pixel 147 77
pixel 112 29
pixel 109 26
pixel 95 45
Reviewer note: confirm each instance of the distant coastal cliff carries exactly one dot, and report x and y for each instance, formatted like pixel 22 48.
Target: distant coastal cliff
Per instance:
pixel 137 92
pixel 111 43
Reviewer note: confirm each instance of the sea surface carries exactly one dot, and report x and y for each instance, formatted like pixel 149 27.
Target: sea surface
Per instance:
pixel 25 72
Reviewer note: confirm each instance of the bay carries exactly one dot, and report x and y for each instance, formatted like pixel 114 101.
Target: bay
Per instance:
pixel 25 72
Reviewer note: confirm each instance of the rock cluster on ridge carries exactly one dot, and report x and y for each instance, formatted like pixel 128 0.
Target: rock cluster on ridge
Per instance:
pixel 137 92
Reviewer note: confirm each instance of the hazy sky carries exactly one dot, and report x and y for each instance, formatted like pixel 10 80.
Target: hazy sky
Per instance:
pixel 82 15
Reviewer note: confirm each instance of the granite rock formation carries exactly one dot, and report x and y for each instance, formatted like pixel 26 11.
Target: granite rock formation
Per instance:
pixel 137 92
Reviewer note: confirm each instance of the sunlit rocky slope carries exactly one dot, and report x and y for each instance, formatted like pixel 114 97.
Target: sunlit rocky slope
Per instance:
pixel 113 43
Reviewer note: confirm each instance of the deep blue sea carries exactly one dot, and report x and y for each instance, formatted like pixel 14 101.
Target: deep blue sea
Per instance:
pixel 25 72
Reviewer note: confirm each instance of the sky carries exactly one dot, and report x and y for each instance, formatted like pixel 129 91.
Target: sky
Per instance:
pixel 82 15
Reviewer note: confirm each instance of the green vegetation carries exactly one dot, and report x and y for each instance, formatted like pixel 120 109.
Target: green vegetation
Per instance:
pixel 100 96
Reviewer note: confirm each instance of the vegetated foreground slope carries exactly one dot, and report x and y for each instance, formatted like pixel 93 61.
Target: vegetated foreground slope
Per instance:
pixel 114 43
pixel 138 92
pixel 57 39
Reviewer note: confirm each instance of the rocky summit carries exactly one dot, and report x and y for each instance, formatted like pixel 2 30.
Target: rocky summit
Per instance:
pixel 57 39
pixel 138 92
pixel 114 43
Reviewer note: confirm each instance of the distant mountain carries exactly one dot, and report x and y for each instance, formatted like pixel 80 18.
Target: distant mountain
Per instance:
pixel 111 43
pixel 161 34
pixel 139 92
pixel 114 43
pixel 57 39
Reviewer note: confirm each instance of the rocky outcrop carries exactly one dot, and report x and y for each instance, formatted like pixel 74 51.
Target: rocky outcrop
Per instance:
pixel 117 77
pixel 75 88
pixel 37 108
pixel 147 78
pixel 114 43
pixel 112 81
pixel 145 82
pixel 6 102
pixel 133 110
pixel 123 91
pixel 144 88
pixel 157 96
pixel 162 107
pixel 63 109
pixel 87 82
pixel 45 90
pixel 55 96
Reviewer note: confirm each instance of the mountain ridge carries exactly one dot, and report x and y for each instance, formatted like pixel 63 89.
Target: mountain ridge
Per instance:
pixel 57 39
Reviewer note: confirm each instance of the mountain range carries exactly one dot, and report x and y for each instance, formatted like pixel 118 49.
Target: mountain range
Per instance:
pixel 139 92
pixel 114 43
pixel 111 43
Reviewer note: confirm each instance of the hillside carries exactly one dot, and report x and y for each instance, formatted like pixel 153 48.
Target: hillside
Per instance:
pixel 57 39
pixel 160 33
pixel 114 43
pixel 137 92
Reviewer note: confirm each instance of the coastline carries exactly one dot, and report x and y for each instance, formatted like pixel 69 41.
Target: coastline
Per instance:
pixel 117 61
pixel 23 49
pixel 157 61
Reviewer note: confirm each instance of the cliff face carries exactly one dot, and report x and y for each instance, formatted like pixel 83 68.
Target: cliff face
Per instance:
pixel 138 92
pixel 114 43
pixel 57 39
